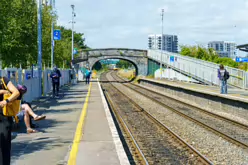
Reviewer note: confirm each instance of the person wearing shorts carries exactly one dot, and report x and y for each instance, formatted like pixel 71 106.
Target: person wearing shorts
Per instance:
pixel 26 111
pixel 25 114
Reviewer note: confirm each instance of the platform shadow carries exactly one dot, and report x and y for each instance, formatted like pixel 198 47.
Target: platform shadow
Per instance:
pixel 25 147
pixel 41 126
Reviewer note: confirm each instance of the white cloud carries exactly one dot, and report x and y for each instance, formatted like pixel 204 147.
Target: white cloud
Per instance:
pixel 127 23
pixel 246 3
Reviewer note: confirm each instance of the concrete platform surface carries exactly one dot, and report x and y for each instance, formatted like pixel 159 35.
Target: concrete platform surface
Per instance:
pixel 51 145
pixel 233 93
pixel 100 144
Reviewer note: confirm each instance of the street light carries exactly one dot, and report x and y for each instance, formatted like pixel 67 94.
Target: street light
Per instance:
pixel 72 33
pixel 162 43
pixel 52 3
pixel 39 20
pixel 72 40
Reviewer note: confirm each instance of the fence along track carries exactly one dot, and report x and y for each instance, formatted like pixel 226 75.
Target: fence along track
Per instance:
pixel 232 138
pixel 193 156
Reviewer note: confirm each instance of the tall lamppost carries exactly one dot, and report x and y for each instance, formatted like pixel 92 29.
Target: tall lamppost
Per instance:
pixel 162 43
pixel 72 42
pixel 52 3
pixel 72 32
pixel 39 20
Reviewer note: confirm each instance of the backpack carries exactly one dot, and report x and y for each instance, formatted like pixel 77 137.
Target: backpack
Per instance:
pixel 226 75
pixel 55 79
pixel 12 108
pixel 88 73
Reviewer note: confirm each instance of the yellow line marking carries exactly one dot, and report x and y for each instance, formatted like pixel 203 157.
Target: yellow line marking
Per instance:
pixel 79 131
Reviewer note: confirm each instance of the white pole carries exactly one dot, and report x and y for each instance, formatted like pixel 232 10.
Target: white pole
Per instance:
pixel 72 43
pixel 162 43
pixel 52 3
pixel 39 17
pixel 72 32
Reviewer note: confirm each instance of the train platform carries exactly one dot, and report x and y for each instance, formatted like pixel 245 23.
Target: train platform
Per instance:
pixel 51 145
pixel 100 143
pixel 78 129
pixel 233 93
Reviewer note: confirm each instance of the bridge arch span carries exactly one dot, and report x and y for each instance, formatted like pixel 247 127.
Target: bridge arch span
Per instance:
pixel 137 57
pixel 119 58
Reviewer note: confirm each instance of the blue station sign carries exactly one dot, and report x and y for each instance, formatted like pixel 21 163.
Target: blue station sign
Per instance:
pixel 172 58
pixel 241 59
pixel 57 35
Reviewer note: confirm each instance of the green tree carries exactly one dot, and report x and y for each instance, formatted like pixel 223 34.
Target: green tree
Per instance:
pixel 124 64
pixel 18 35
pixel 63 47
pixel 46 35
pixel 17 32
pixel 209 55
pixel 186 51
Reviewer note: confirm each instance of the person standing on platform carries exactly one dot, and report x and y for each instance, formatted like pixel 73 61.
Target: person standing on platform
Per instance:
pixel 223 76
pixel 6 122
pixel 55 75
pixel 87 75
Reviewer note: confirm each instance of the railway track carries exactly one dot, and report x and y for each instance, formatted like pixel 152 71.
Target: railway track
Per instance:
pixel 136 156
pixel 151 141
pixel 229 129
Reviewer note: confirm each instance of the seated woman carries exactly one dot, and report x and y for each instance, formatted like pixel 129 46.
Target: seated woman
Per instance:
pixel 26 111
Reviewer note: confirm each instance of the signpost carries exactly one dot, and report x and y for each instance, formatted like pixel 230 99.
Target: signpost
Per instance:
pixel 172 58
pixel 39 17
pixel 75 51
pixel 241 59
pixel 57 35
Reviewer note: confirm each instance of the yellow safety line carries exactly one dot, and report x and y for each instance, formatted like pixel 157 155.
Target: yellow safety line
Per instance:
pixel 79 132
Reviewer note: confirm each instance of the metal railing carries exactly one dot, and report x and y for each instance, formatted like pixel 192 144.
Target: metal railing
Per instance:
pixel 31 80
pixel 199 69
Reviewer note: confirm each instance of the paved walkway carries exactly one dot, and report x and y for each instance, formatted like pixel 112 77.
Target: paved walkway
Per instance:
pixel 100 144
pixel 233 93
pixel 51 145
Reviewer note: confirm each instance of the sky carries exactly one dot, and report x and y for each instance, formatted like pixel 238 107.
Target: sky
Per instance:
pixel 127 23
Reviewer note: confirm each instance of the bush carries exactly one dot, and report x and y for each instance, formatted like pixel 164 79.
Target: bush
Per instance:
pixel 209 55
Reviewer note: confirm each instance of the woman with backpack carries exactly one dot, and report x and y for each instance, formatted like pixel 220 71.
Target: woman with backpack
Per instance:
pixel 223 76
pixel 6 121
pixel 26 111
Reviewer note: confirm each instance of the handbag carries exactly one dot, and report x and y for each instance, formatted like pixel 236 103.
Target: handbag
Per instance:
pixel 13 107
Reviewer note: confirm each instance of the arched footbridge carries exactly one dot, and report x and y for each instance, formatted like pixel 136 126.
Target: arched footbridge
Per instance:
pixel 137 57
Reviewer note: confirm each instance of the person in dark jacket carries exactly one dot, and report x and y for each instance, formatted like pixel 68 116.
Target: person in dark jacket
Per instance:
pixel 6 122
pixel 223 76
pixel 55 75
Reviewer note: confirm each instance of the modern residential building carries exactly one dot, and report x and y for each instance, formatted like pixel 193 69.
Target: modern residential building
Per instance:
pixel 167 42
pixel 223 48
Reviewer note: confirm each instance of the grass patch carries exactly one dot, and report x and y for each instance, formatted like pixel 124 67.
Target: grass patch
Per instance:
pixel 150 76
